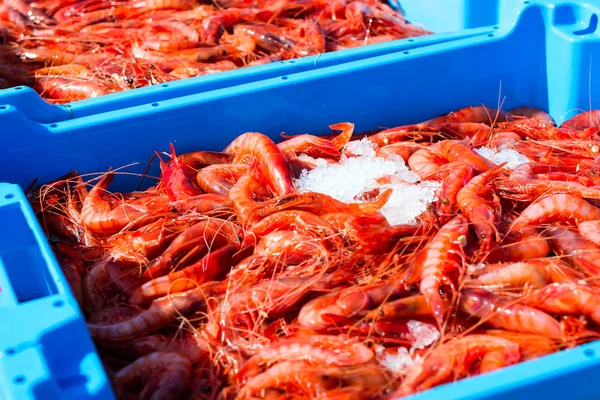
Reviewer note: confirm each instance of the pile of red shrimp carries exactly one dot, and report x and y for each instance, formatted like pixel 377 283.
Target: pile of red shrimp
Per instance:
pixel 71 50
pixel 224 281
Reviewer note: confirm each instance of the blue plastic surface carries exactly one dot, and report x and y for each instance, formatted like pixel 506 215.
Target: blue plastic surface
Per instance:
pixel 45 348
pixel 422 11
pixel 546 60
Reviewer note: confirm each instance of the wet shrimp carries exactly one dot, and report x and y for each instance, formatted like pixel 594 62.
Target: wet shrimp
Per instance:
pixel 272 165
pixel 557 208
pixel 455 358
pixel 159 375
pixel 99 217
pixel 473 201
pixel 500 312
pixel 442 254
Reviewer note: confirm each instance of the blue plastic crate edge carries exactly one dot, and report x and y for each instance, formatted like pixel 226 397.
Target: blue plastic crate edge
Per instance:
pixel 45 350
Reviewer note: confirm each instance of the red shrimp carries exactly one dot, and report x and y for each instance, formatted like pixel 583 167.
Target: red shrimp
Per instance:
pixel 531 346
pixel 504 140
pixel 263 36
pixel 35 15
pixel 300 221
pixel 568 297
pixel 311 38
pixel 178 184
pixel 69 89
pixel 499 312
pixel 455 151
pixel 455 359
pixel 206 234
pixel 266 298
pixel 291 376
pixel 426 161
pixel 201 159
pixel 570 244
pixel 412 306
pixel 442 255
pixel 244 195
pixel 475 204
pixel 272 165
pixel 314 349
pixel 320 204
pixel 526 185
pixel 556 208
pixel 159 375
pixel 343 138
pixel 479 114
pixel 291 248
pixel 220 178
pixel 313 146
pixel 590 230
pixel 341 306
pixel 99 217
pixel 371 233
pixel 203 203
pixel 474 132
pixel 520 274
pixel 161 313
pixel 589 119
pixel 213 26
pixel 403 150
pixel 208 268
pixel 537 114
pixel 524 244
pixel 457 175
pixel 194 348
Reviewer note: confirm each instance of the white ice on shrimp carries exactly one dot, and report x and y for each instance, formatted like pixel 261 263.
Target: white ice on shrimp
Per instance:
pixel 352 176
pixel 512 157
pixel 363 147
pixel 409 201
pixel 424 333
pixel 398 362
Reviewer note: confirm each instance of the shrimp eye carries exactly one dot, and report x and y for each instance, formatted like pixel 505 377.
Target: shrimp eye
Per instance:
pixel 446 201
pixel 207 389
pixel 130 81
pixel 483 235
pixel 174 209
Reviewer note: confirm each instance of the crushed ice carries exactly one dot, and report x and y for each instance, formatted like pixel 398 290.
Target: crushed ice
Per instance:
pixel 353 176
pixel 512 157
pixel 425 334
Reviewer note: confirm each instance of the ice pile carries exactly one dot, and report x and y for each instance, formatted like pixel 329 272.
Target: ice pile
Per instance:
pixel 512 157
pixel 425 334
pixel 353 176
pixel 397 362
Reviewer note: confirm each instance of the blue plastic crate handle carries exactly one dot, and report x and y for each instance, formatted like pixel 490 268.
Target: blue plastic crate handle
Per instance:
pixel 45 348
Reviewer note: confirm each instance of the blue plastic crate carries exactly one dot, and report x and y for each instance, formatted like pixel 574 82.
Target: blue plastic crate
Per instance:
pixel 544 61
pixel 452 15
pixel 45 348
pixel 483 20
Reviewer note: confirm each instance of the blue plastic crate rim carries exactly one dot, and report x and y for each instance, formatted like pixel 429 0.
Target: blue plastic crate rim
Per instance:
pixel 543 61
pixel 468 18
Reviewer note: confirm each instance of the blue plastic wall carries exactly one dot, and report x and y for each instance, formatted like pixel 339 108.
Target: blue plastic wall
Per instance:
pixel 452 15
pixel 422 11
pixel 45 349
pixel 546 60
